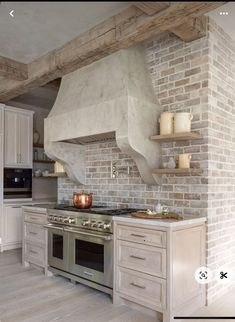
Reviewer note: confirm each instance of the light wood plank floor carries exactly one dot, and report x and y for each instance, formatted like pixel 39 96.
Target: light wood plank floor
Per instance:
pixel 26 295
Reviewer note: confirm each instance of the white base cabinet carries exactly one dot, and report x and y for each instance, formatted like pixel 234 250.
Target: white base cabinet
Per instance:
pixel 12 227
pixel 154 267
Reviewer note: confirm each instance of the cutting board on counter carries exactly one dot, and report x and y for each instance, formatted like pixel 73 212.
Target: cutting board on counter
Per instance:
pixel 144 215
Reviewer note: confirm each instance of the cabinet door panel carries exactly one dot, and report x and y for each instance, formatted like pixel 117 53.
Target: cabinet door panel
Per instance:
pixel 25 139
pixel 2 118
pixel 10 142
pixel 12 225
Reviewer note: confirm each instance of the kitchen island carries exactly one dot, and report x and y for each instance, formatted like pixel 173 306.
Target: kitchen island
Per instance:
pixel 155 262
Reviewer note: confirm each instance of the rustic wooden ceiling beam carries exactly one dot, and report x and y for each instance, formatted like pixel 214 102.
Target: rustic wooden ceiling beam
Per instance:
pixel 120 31
pixel 192 29
pixel 152 7
pixel 12 69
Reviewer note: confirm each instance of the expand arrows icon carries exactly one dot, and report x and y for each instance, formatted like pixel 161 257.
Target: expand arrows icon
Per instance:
pixel 11 13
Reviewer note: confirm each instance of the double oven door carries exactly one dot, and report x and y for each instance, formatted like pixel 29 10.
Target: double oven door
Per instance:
pixel 83 253
pixel 58 251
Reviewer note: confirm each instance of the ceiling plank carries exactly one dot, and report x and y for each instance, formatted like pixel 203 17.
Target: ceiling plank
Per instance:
pixel 12 69
pixel 152 7
pixel 123 30
pixel 192 29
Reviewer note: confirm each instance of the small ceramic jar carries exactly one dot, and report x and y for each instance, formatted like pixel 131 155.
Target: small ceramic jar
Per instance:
pixel 182 122
pixel 184 160
pixel 166 123
pixel 171 163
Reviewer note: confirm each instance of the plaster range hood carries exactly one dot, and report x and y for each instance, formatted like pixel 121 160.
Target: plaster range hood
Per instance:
pixel 111 99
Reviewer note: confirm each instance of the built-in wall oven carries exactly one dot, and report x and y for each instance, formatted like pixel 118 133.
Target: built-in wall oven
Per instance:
pixel 17 183
pixel 86 254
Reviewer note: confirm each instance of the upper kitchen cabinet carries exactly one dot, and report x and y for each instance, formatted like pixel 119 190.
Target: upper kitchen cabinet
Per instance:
pixel 18 137
pixel 2 106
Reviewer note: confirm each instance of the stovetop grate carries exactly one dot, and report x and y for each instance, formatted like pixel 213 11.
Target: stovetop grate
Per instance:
pixel 97 210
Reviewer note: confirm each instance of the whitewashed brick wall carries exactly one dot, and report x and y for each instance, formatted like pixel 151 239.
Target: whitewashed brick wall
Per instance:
pixel 221 148
pixel 196 77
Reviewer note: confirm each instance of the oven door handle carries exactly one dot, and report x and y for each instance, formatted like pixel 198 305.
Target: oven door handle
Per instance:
pixel 53 227
pixel 84 233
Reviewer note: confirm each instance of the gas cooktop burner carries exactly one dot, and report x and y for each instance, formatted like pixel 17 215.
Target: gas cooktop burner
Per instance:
pixel 71 208
pixel 97 210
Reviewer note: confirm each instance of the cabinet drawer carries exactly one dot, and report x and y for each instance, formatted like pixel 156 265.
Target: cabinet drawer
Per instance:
pixel 142 288
pixel 34 217
pixel 35 254
pixel 142 235
pixel 142 258
pixel 35 233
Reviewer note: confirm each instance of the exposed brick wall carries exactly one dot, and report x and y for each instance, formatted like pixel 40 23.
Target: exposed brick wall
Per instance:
pixel 196 77
pixel 221 147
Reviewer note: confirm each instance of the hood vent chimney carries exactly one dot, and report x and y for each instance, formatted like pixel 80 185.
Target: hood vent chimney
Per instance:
pixel 111 99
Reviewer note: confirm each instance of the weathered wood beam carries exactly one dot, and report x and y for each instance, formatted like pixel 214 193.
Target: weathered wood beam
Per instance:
pixel 152 7
pixel 12 69
pixel 120 31
pixel 192 29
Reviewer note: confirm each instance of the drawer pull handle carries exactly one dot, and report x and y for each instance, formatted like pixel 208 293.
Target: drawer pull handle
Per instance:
pixel 136 285
pixel 88 274
pixel 136 235
pixel 33 252
pixel 137 257
pixel 33 233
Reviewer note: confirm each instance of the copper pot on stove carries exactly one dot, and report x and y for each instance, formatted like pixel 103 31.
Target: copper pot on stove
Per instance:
pixel 82 200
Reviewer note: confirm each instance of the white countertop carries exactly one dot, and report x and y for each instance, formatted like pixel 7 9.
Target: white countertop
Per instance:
pixel 29 202
pixel 39 207
pixel 187 220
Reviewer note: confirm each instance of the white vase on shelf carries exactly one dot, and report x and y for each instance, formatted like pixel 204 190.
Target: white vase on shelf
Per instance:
pixel 171 163
pixel 36 137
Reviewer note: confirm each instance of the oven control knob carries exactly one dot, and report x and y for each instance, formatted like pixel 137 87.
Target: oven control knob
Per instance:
pixel 107 225
pixel 86 222
pixel 71 221
pixel 100 224
pixel 66 220
pixel 54 218
pixel 93 223
pixel 50 217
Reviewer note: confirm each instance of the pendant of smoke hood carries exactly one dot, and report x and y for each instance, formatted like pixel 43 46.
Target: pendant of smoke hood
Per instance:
pixel 111 99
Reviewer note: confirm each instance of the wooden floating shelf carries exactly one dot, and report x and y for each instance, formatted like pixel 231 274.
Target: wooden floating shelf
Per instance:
pixel 38 145
pixel 177 137
pixel 52 175
pixel 43 161
pixel 57 174
pixel 177 171
pixel 44 177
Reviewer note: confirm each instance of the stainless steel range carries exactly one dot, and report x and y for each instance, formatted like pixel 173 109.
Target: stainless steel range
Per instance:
pixel 80 244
